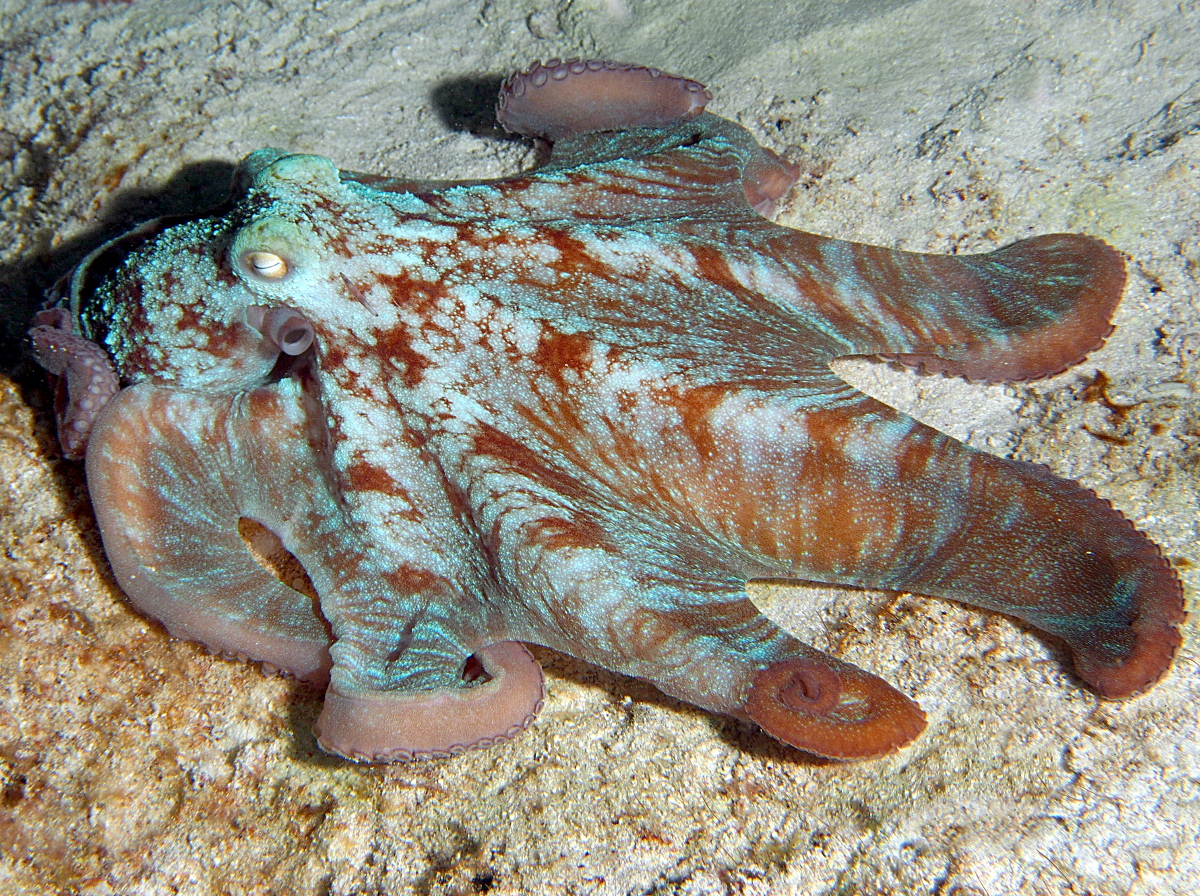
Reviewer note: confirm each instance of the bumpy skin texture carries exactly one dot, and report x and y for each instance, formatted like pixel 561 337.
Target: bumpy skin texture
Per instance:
pixel 580 407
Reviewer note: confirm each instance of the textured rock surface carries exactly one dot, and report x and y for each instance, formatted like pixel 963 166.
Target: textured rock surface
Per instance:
pixel 130 763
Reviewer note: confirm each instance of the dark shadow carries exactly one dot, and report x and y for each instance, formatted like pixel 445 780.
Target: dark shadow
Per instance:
pixel 35 390
pixel 301 713
pixel 195 188
pixel 743 736
pixel 469 104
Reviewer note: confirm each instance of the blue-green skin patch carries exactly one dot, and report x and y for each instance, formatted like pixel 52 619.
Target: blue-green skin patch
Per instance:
pixel 580 407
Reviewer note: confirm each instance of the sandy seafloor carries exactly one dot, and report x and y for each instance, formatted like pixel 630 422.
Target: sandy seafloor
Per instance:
pixel 132 764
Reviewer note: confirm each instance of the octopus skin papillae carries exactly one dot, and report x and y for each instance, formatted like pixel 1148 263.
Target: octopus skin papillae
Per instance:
pixel 578 407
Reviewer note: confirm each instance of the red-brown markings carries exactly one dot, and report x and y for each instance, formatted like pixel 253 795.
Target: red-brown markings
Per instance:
pixel 580 269
pixel 333 360
pixel 223 341
pixel 361 476
pixel 696 407
pixel 337 235
pixel 419 296
pixel 406 579
pixel 523 461
pixel 712 267
pixel 558 352
pixel 396 344
pixel 582 530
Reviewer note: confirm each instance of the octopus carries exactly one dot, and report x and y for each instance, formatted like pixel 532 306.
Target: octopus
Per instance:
pixel 380 434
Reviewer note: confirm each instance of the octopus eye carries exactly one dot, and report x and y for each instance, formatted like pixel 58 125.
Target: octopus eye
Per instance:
pixel 264 265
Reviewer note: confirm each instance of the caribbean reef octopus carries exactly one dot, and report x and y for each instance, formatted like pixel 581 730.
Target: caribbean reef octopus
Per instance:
pixel 377 433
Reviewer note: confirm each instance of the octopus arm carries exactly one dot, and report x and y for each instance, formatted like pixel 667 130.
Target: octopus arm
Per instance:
pixel 1029 310
pixel 857 493
pixel 706 168
pixel 577 96
pixel 87 378
pixel 635 142
pixel 610 584
pixel 698 637
pixel 395 726
pixel 192 490
pixel 169 508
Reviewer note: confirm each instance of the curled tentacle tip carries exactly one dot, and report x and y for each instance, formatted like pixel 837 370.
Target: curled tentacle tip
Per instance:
pixel 836 712
pixel 1152 649
pixel 766 181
